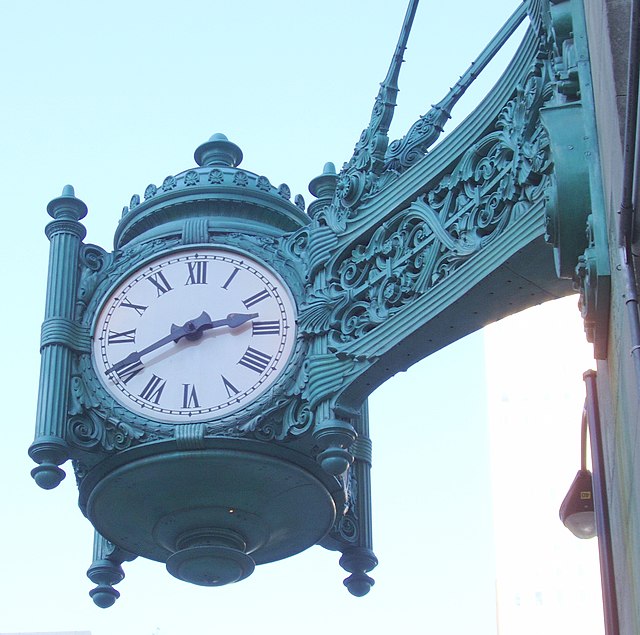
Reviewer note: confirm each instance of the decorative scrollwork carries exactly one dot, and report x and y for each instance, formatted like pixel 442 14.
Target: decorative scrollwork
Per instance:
pixel 494 183
pixel 92 261
pixel 91 430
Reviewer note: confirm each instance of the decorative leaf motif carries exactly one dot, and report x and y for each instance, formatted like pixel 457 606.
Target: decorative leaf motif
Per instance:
pixel 263 183
pixel 317 315
pixel 216 176
pixel 169 183
pixel 284 191
pixel 150 191
pixel 241 179
pixel 191 178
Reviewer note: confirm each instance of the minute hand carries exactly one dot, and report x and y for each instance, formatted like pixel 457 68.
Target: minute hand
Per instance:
pixel 192 330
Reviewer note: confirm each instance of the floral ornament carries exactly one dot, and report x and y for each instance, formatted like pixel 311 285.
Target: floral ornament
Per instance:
pixel 241 179
pixel 299 202
pixel 216 177
pixel 284 191
pixel 169 183
pixel 191 178
pixel 150 191
pixel 263 183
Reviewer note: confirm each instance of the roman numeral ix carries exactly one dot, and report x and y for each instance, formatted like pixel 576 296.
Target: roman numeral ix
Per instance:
pixel 121 338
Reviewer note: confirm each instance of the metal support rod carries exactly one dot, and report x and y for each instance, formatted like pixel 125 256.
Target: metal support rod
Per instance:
pixel 601 506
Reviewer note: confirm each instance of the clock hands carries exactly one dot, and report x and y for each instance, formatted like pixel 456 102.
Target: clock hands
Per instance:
pixel 191 330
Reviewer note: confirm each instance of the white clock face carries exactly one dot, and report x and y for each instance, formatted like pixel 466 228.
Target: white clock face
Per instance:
pixel 194 336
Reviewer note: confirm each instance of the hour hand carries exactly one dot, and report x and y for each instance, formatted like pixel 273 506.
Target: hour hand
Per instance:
pixel 234 320
pixel 193 329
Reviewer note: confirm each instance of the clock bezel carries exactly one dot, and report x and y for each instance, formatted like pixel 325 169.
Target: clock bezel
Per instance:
pixel 251 410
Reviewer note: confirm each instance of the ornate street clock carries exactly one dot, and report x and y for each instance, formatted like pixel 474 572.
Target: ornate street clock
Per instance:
pixel 175 376
pixel 208 378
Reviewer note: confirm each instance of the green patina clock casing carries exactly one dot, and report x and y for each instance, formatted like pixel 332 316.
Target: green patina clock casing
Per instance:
pixel 209 377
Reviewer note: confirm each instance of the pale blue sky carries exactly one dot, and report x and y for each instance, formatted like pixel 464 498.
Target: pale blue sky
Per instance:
pixel 113 96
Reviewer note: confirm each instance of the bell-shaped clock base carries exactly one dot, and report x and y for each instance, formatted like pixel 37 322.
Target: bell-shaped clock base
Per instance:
pixel 210 565
pixel 211 514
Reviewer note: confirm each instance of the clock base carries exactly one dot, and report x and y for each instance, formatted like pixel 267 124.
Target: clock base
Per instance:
pixel 213 514
pixel 210 565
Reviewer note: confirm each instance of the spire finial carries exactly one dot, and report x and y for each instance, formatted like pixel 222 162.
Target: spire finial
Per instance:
pixel 374 140
pixel 368 154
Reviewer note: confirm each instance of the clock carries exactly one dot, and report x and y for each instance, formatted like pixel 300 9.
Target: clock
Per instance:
pixel 194 335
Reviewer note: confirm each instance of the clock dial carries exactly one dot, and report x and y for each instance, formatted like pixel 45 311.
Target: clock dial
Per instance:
pixel 194 336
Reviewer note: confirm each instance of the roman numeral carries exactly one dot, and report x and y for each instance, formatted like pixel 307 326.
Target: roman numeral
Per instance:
pixel 231 389
pixel 254 299
pixel 189 396
pixel 230 278
pixel 121 338
pixel 153 390
pixel 255 360
pixel 138 308
pixel 271 327
pixel 129 371
pixel 159 282
pixel 197 272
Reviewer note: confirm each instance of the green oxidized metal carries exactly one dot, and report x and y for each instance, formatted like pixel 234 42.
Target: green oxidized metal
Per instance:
pixel 407 249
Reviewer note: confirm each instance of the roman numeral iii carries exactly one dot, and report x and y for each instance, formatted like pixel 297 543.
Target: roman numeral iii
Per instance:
pixel 269 327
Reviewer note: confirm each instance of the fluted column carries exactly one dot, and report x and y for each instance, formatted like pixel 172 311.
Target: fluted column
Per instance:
pixel 360 559
pixel 65 234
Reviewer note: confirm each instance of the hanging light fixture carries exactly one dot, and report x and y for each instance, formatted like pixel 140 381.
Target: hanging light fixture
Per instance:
pixel 577 511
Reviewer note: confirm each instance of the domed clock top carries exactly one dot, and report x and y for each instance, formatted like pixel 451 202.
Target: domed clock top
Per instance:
pixel 216 190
